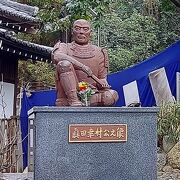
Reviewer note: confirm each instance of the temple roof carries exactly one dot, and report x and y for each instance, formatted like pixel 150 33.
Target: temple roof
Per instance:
pixel 24 49
pixel 19 17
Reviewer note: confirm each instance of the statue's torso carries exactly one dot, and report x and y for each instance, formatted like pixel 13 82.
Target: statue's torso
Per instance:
pixel 88 55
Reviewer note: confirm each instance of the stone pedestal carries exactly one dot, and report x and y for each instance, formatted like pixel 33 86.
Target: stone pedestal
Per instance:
pixel 57 159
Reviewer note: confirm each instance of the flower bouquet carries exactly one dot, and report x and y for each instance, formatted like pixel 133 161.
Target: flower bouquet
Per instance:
pixel 84 93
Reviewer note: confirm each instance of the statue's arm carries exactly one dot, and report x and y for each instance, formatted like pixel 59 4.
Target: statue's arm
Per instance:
pixel 103 69
pixel 59 53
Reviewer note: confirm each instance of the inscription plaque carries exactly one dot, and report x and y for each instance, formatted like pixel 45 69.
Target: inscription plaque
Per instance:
pixel 97 133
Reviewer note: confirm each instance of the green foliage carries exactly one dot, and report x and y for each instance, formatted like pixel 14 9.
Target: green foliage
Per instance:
pixel 167 5
pixel 49 13
pixel 169 121
pixel 39 71
pixel 169 29
pixel 94 9
pixel 120 58
pixel 129 40
pixel 132 37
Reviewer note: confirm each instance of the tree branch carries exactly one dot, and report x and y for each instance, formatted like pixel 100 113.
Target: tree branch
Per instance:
pixel 176 3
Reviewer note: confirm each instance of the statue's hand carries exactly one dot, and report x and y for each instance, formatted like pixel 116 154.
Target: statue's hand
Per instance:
pixel 104 84
pixel 87 70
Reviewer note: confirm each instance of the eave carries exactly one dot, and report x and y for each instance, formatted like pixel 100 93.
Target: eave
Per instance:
pixel 24 49
pixel 19 17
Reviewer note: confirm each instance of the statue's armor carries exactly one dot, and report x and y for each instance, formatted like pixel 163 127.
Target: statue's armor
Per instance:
pixel 89 55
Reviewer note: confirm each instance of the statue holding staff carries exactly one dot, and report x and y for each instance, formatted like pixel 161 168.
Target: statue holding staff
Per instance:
pixel 80 61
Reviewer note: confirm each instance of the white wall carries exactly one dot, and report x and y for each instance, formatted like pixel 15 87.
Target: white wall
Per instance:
pixel 6 99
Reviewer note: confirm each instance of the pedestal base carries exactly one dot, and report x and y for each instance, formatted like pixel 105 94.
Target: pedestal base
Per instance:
pixel 57 159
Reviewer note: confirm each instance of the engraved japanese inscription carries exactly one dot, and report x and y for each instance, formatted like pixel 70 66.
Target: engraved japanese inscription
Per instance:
pixel 97 132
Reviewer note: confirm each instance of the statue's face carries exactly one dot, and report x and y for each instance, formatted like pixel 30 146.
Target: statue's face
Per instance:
pixel 81 32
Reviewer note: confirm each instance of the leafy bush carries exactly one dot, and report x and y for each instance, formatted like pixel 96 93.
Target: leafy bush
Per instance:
pixel 169 121
pixel 39 71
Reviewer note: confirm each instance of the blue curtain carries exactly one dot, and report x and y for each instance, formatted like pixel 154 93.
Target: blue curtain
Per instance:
pixel 41 98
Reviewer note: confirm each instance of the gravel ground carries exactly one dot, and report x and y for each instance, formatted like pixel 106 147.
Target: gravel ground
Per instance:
pixel 174 175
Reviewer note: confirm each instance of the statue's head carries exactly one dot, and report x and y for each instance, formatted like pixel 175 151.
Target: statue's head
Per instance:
pixel 81 31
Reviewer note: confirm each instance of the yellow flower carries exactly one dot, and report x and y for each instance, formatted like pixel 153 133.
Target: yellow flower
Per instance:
pixel 82 86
